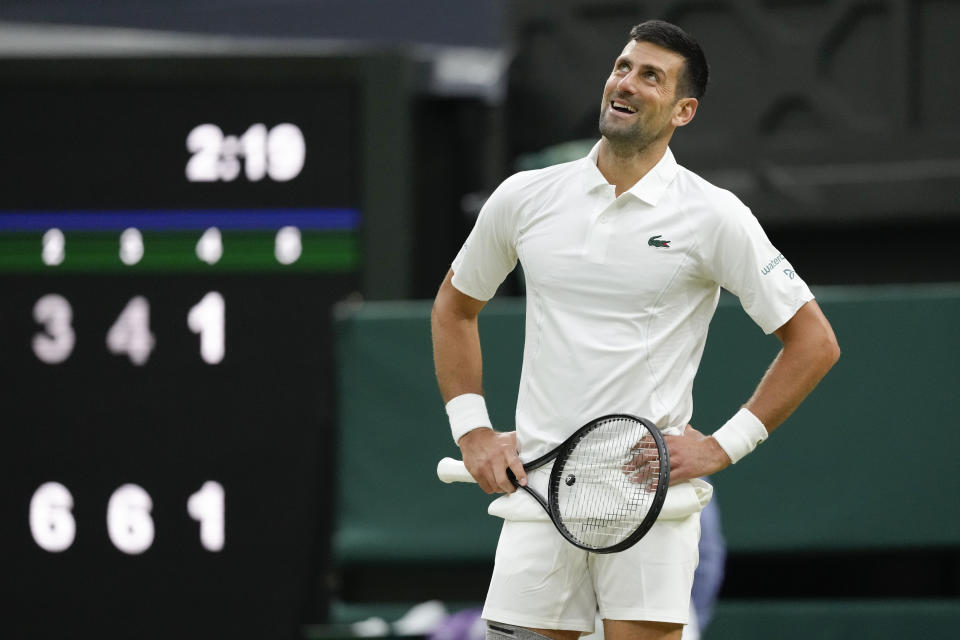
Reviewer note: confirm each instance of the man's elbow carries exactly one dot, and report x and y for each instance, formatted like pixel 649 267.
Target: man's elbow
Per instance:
pixel 813 335
pixel 828 349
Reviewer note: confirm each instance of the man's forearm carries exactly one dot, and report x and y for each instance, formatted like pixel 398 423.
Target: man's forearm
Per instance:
pixel 459 366
pixel 457 357
pixel 794 373
pixel 809 351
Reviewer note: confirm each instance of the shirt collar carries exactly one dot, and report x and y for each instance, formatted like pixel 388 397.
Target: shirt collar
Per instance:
pixel 649 188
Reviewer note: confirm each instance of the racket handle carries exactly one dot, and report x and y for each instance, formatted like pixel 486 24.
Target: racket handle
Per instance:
pixel 450 470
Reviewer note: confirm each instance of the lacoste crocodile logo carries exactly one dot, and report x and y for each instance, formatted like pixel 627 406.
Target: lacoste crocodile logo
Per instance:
pixel 655 241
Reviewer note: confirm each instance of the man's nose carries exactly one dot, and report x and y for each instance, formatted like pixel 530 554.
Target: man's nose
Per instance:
pixel 626 83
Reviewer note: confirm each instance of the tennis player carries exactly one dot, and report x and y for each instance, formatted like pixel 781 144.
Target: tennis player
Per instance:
pixel 624 253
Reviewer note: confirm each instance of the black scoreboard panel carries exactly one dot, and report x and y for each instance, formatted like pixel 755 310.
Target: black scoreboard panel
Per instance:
pixel 173 496
pixel 144 132
pixel 173 235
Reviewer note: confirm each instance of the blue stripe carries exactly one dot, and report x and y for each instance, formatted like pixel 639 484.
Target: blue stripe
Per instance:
pixel 182 219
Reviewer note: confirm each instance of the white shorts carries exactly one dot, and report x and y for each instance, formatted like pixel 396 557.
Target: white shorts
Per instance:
pixel 541 581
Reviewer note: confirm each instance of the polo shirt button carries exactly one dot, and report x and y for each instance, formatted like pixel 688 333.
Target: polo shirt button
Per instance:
pixel 604 219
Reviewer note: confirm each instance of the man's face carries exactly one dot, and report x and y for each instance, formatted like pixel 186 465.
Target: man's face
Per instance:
pixel 639 97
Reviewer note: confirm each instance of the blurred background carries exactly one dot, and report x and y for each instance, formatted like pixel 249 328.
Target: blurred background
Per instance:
pixel 221 226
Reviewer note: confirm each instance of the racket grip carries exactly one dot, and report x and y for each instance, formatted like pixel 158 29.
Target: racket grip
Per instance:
pixel 450 470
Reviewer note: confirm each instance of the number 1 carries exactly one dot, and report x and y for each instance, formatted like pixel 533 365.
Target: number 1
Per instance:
pixel 207 318
pixel 206 506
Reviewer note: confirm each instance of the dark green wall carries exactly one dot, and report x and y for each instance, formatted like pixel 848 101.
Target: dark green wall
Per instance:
pixel 869 461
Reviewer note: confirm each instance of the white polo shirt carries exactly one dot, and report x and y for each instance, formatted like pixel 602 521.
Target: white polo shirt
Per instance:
pixel 620 291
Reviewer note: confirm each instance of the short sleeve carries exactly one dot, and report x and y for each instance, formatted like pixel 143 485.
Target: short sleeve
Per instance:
pixel 742 260
pixel 489 254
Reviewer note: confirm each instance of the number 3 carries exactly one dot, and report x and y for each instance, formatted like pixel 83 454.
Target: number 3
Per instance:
pixel 56 343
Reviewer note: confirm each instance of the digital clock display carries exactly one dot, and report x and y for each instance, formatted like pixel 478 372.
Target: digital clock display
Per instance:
pixel 173 235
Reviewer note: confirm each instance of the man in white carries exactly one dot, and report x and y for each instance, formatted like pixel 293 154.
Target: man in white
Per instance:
pixel 624 254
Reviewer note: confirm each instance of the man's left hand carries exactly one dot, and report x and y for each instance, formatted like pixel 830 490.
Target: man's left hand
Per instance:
pixel 693 455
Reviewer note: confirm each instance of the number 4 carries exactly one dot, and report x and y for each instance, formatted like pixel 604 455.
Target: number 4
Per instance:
pixel 130 333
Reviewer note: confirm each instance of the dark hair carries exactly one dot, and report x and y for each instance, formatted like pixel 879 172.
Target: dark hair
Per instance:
pixel 693 81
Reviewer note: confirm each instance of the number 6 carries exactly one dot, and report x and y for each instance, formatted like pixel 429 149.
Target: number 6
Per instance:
pixel 51 521
pixel 128 519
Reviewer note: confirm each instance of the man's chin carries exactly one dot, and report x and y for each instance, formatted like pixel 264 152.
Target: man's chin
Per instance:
pixel 623 134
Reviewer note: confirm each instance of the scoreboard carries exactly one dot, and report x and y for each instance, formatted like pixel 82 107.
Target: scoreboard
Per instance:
pixel 173 235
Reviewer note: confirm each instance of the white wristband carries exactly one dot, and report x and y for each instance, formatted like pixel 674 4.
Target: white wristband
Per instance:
pixel 467 412
pixel 741 434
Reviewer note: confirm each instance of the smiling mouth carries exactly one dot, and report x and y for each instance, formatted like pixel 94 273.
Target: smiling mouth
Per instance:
pixel 622 107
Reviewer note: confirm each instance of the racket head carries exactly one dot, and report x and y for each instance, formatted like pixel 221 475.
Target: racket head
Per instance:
pixel 608 483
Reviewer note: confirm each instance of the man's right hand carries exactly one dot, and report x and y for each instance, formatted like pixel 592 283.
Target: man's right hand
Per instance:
pixel 488 454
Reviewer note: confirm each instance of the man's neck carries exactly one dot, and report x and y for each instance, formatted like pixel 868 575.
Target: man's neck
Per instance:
pixel 624 168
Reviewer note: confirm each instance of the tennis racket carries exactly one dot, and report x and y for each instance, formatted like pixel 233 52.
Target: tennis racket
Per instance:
pixel 607 484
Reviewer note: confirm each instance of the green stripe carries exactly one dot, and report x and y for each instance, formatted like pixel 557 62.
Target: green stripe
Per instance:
pixel 164 251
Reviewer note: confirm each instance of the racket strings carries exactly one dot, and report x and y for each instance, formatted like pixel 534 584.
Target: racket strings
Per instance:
pixel 608 483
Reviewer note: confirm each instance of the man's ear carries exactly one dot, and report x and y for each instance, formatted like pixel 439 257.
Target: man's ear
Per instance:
pixel 684 111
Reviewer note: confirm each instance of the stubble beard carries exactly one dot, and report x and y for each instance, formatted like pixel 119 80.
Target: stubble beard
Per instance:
pixel 626 139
